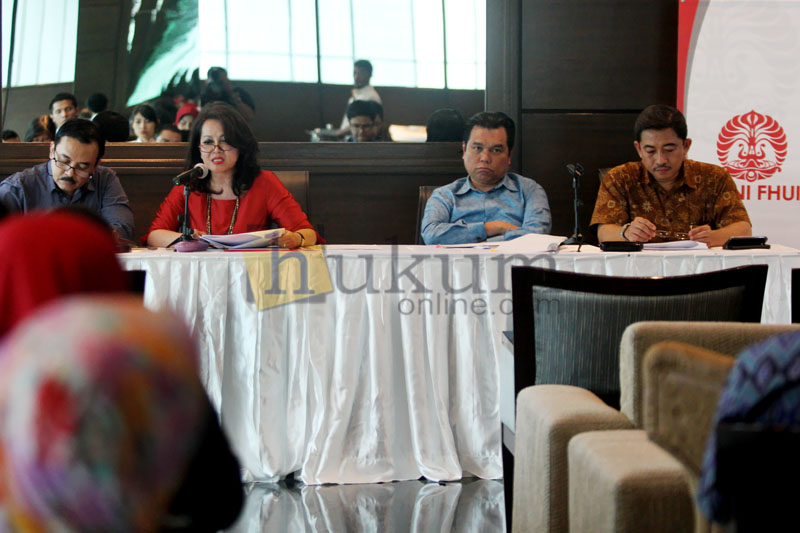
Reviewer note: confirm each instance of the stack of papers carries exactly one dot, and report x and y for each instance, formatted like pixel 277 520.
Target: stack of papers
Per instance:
pixel 675 245
pixel 530 243
pixel 238 241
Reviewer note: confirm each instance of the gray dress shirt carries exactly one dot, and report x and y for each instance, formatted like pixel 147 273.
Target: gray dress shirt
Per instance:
pixel 34 188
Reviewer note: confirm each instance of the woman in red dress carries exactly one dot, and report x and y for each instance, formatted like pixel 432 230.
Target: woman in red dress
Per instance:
pixel 237 196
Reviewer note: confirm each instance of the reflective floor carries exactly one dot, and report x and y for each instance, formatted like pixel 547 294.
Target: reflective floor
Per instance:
pixel 472 505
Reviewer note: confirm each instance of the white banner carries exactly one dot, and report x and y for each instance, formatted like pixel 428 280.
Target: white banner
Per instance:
pixel 742 103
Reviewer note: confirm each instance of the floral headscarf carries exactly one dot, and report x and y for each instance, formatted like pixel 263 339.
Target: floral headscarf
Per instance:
pixel 100 410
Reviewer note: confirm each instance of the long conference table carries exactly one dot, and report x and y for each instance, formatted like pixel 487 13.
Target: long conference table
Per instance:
pixel 357 364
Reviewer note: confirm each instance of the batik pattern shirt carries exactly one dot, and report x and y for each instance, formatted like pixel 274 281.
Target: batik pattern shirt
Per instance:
pixel 703 194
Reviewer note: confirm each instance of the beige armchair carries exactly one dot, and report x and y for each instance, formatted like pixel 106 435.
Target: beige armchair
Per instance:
pixel 675 412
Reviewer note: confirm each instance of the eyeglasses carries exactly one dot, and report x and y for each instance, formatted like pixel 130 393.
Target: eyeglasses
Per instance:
pixel 672 235
pixel 208 146
pixel 77 172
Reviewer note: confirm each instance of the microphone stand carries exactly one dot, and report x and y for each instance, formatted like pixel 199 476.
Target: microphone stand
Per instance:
pixel 576 171
pixel 186 231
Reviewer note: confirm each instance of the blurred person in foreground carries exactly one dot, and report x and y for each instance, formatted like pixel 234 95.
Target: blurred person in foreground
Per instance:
pixel 73 175
pixel 490 203
pixel 104 424
pixel 237 196
pixel 50 255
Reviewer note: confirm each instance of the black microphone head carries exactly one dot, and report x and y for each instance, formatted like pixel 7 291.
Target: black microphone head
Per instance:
pixel 579 167
pixel 571 168
pixel 202 167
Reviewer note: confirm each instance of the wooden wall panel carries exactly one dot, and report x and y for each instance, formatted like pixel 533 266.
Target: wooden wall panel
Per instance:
pixel 598 54
pixel 593 140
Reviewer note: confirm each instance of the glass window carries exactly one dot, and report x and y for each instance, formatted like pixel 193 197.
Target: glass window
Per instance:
pixel 46 41
pixel 259 39
pixel 277 40
pixel 466 43
pixel 403 39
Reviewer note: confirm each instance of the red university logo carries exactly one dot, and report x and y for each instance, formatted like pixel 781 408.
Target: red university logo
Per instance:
pixel 752 146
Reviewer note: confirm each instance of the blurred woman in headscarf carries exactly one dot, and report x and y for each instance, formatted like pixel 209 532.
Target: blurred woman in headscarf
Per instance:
pixel 49 255
pixel 103 418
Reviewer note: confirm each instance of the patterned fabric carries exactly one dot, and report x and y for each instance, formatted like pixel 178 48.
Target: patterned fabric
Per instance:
pixel 47 256
pixel 704 194
pixel 100 408
pixel 578 334
pixel 763 387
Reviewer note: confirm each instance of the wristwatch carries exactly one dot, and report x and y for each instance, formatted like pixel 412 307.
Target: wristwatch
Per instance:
pixel 622 231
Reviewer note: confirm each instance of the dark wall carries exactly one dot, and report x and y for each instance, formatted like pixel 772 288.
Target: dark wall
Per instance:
pixel 574 74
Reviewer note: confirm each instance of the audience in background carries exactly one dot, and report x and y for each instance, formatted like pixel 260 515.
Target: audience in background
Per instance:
pixel 40 130
pixel 361 116
pixel 490 203
pixel 185 115
pixel 104 424
pixel 362 90
pixel 71 255
pixel 72 176
pixel 143 123
pixel 96 103
pixel 381 126
pixel 445 125
pixel 63 107
pixel 10 136
pixel 113 126
pixel 169 133
pixel 219 89
pixel 165 109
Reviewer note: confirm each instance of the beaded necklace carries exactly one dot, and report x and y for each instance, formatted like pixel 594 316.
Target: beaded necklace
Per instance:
pixel 208 215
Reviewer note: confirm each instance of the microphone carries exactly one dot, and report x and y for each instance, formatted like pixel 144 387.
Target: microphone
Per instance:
pixel 576 170
pixel 199 171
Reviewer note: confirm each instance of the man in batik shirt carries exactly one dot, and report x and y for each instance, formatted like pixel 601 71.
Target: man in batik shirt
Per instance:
pixel 666 197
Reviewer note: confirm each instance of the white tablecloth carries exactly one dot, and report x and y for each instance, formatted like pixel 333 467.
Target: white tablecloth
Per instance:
pixel 392 375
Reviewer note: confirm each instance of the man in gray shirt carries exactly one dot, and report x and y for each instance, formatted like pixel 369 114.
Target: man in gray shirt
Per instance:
pixel 72 176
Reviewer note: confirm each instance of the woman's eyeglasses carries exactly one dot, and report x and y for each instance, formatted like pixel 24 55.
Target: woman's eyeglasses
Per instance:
pixel 208 146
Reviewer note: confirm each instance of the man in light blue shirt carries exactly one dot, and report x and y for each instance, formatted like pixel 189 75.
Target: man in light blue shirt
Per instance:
pixel 490 203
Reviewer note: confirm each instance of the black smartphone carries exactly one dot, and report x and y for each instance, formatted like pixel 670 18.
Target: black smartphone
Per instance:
pixel 745 243
pixel 621 246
